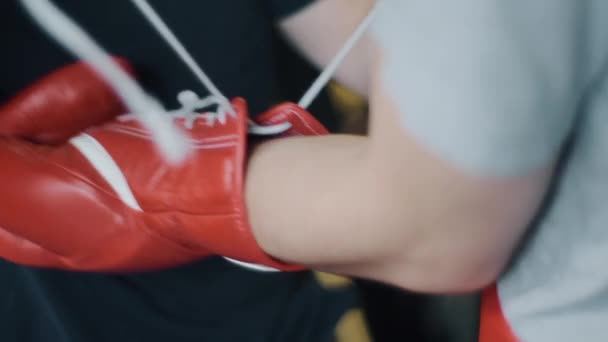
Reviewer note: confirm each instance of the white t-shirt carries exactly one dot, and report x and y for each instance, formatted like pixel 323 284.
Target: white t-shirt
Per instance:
pixel 498 87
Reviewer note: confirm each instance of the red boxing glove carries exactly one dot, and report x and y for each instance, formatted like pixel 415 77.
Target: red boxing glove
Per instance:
pixel 61 105
pixel 107 201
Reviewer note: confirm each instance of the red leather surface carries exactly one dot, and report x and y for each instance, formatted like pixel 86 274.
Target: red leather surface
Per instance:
pixel 61 105
pixel 494 327
pixel 57 211
pixel 303 123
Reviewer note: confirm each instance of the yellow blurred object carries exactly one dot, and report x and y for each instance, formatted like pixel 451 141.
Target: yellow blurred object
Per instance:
pixel 332 281
pixel 353 328
pixel 351 107
pixel 345 99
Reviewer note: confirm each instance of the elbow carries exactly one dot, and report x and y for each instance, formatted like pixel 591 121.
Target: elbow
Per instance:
pixel 475 276
pixel 446 273
pixel 448 279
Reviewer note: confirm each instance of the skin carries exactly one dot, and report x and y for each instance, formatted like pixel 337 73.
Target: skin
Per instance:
pixel 381 206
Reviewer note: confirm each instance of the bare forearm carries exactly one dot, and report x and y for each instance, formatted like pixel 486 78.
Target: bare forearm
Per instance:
pixel 322 202
pixel 328 203
pixel 385 207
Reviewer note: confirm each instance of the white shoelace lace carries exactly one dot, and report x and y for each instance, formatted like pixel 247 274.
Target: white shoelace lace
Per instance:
pixel 148 110
pixel 191 110
pixel 215 95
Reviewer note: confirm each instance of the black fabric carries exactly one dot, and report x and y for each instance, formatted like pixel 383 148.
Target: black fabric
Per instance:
pixel 283 8
pixel 236 43
pixel 394 314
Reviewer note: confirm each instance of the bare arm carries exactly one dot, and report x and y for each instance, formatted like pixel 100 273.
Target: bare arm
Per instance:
pixel 466 125
pixel 386 208
pixel 321 29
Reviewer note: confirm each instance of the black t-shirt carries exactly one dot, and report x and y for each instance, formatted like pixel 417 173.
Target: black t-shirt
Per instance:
pixel 236 43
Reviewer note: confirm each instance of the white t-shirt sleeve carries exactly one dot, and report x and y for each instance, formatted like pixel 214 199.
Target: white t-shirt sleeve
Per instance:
pixel 489 85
